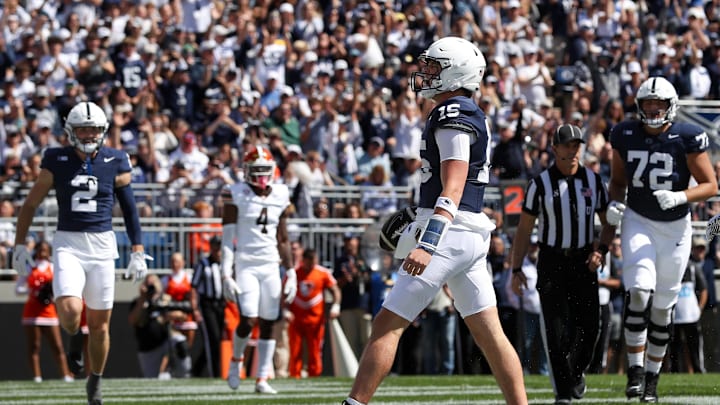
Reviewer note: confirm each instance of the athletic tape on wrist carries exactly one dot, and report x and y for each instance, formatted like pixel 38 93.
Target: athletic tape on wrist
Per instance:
pixel 433 233
pixel 446 204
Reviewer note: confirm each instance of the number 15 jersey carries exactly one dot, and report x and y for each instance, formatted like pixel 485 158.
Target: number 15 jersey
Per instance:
pixel 257 222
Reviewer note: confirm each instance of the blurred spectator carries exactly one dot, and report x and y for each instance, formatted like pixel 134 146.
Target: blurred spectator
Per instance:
pixel 615 359
pixel 199 244
pixel 381 199
pixel 353 279
pixel 7 232
pixel 373 156
pixel 156 342
pixel 288 125
pixel 533 77
pixel 437 325
pixel 533 350
pixel 609 284
pixel 408 133
pixel 39 317
pixel 177 286
pixel 686 335
pixel 510 158
pixel 192 159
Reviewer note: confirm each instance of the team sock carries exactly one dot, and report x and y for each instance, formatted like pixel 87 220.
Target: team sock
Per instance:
pixel 636 359
pixel 94 392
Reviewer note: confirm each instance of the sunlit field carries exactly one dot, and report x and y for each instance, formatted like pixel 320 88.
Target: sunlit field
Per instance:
pixel 673 389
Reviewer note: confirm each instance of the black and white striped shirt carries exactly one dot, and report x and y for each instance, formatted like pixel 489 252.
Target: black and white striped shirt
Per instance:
pixel 207 280
pixel 565 206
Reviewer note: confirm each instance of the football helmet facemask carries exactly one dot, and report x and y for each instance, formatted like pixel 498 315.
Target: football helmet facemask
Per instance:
pixel 259 166
pixel 86 115
pixel 657 88
pixel 448 64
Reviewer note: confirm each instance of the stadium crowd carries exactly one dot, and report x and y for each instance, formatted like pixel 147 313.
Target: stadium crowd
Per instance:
pixel 188 84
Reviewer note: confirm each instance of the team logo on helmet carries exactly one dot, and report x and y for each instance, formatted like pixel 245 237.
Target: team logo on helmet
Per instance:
pixel 259 166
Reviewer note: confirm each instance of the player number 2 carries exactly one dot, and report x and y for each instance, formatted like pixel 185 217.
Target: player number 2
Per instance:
pixel 659 175
pixel 83 200
pixel 263 220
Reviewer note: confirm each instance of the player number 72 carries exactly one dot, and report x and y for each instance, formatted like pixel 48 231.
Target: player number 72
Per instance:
pixel 659 175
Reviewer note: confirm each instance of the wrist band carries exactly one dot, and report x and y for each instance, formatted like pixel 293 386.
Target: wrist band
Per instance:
pixel 434 231
pixel 446 204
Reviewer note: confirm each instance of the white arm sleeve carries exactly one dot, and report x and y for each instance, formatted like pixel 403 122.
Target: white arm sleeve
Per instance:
pixel 454 144
pixel 228 249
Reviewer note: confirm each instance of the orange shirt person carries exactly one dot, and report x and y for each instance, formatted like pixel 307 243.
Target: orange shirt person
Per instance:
pixel 177 286
pixel 39 317
pixel 306 314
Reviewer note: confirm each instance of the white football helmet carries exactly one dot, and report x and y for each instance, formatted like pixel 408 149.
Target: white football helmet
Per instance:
pixel 657 88
pixel 461 65
pixel 259 166
pixel 86 115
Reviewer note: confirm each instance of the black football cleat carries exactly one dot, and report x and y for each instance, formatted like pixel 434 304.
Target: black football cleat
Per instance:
pixel 634 387
pixel 580 388
pixel 650 392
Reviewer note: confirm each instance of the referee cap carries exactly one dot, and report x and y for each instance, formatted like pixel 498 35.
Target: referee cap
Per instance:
pixel 567 133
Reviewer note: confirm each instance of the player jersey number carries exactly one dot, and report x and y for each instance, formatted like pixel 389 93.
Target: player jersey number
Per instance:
pixel 660 165
pixel 448 111
pixel 83 200
pixel 262 219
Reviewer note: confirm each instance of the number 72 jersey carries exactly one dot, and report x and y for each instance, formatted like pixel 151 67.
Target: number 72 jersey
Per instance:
pixel 657 163
pixel 257 221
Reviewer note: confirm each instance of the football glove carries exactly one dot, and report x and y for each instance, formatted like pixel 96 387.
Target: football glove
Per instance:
pixel 670 199
pixel 137 266
pixel 230 289
pixel 22 260
pixel 290 289
pixel 614 213
pixel 713 228
pixel 394 227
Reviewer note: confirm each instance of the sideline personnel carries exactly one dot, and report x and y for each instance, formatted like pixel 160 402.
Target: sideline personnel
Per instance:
pixel 564 198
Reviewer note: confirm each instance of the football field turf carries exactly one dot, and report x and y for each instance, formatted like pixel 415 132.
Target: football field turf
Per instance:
pixel 673 389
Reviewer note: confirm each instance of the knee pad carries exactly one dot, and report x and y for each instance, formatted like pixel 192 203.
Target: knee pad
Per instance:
pixel 659 329
pixel 637 309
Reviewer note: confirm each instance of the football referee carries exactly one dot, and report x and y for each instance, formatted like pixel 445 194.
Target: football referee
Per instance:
pixel 564 200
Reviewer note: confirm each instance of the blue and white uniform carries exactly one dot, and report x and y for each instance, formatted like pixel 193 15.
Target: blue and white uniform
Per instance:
pixel 84 246
pixel 460 259
pixel 656 242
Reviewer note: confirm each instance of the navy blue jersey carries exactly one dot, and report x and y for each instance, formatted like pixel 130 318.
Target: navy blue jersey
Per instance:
pixel 132 75
pixel 85 195
pixel 459 113
pixel 656 163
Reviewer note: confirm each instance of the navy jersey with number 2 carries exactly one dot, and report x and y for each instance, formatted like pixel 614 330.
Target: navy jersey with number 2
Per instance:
pixel 85 195
pixel 657 163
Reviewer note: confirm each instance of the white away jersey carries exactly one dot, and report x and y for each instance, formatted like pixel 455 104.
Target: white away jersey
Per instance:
pixel 257 222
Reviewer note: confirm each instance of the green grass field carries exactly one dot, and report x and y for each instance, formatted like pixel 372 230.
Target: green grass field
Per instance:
pixel 673 389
